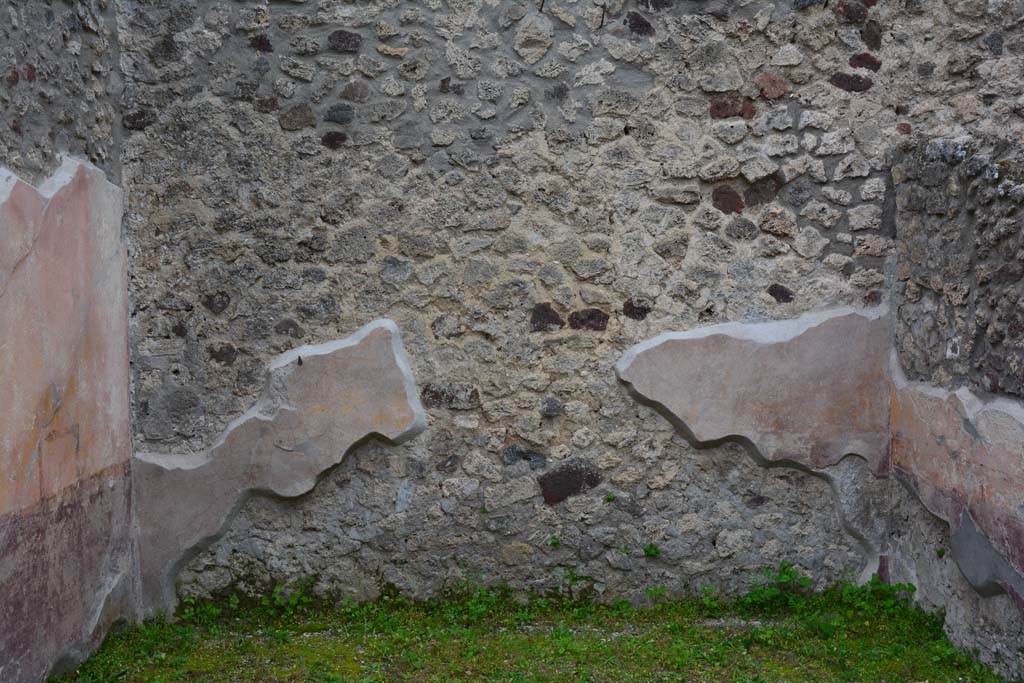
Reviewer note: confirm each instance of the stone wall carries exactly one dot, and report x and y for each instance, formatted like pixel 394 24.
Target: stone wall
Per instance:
pixel 528 189
pixel 67 559
pixel 59 85
pixel 961 275
pixel 527 194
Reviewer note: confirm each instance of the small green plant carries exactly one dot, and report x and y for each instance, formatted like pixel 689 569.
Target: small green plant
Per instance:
pixel 708 601
pixel 556 542
pixel 782 589
pixel 199 613
pixel 287 601
pixel 940 553
pixel 609 498
pixel 651 550
pixel 655 593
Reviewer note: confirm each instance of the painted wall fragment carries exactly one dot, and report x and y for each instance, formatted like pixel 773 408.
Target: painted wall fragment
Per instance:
pixel 66 550
pixel 810 391
pixel 318 402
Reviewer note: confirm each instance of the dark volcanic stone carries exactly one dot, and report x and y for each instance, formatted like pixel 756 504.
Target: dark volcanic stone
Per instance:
pixel 551 407
pixel 726 199
pixel 515 453
pixel 224 354
pixel 635 308
pixel 639 25
pixel 763 190
pixel 333 139
pixel 851 82
pixel 297 117
pixel 871 34
pixel 852 11
pixel 139 119
pixel 804 4
pixel 261 43
pixel 217 302
pixel 345 41
pixel 865 60
pixel 780 293
pixel 725 107
pixel 994 42
pixel 340 113
pixel 451 395
pixel 589 319
pixel 568 480
pixel 544 318
pixel 557 92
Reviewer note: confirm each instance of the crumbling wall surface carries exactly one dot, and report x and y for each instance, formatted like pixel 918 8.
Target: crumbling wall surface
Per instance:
pixel 961 272
pixel 527 189
pixel 960 323
pixel 319 401
pixel 59 85
pixel 825 391
pixel 66 551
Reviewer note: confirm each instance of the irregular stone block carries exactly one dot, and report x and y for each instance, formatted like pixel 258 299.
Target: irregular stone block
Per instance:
pixel 805 391
pixel 66 556
pixel 318 402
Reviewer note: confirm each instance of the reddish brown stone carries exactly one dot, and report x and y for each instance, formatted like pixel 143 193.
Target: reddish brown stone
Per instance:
pixel 851 82
pixel 568 480
pixel 865 60
pixel 726 199
pixel 334 139
pixel 589 319
pixel 261 43
pixel 636 309
pixel 12 77
pixel 853 11
pixel 726 106
pixel 772 86
pixel 904 128
pixel 30 73
pixel 544 318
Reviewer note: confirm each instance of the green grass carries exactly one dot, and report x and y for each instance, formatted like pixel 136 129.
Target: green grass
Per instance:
pixel 779 632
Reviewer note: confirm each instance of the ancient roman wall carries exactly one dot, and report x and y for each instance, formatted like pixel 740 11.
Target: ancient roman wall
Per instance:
pixel 67 559
pixel 528 189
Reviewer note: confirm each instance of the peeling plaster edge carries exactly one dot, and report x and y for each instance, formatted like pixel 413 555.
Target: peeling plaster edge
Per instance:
pixel 266 407
pixel 761 332
pixel 56 181
pixel 973 404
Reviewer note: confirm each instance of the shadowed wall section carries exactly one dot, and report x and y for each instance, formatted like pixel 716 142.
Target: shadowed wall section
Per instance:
pixel 808 392
pixel 66 554
pixel 319 401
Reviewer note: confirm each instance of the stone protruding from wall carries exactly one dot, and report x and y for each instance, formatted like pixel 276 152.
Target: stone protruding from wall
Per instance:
pixel 807 391
pixel 66 554
pixel 318 402
pixel 812 390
